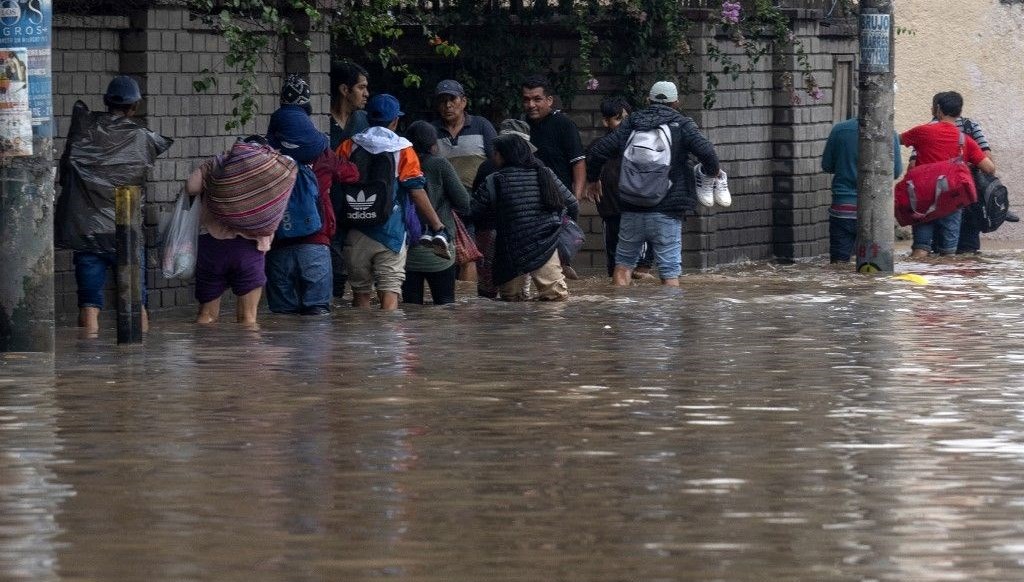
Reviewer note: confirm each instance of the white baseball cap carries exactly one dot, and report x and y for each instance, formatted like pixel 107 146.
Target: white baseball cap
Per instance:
pixel 664 92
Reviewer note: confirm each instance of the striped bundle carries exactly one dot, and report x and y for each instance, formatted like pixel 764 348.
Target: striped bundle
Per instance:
pixel 248 189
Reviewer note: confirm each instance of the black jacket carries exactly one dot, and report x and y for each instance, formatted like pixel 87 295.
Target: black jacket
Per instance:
pixel 686 140
pixel 527 230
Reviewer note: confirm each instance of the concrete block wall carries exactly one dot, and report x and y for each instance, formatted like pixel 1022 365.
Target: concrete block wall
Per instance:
pixel 166 51
pixel 769 145
pixel 800 190
pixel 85 58
pixel 740 127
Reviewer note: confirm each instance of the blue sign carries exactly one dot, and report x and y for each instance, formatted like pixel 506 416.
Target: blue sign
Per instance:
pixel 874 42
pixel 27 24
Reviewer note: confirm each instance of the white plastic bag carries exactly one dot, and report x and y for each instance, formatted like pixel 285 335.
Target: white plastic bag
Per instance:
pixel 182 240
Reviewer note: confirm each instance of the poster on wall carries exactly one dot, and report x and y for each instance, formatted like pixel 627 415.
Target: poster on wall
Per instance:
pixel 15 115
pixel 26 24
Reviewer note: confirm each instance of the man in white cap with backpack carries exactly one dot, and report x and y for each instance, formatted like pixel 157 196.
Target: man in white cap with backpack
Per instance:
pixel 654 144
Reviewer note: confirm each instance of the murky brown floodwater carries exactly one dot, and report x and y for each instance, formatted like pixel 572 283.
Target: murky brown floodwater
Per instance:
pixel 768 423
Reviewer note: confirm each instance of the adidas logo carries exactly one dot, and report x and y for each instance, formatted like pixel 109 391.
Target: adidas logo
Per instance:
pixel 358 216
pixel 360 201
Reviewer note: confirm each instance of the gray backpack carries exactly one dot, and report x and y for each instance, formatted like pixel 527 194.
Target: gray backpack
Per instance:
pixel 646 163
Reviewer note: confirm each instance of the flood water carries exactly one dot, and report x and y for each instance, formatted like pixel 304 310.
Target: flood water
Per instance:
pixel 766 423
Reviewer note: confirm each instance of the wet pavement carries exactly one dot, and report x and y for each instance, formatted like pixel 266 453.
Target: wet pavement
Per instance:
pixel 766 423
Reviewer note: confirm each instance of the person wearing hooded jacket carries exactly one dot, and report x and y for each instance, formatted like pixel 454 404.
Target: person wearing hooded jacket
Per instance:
pixel 659 225
pixel 299 271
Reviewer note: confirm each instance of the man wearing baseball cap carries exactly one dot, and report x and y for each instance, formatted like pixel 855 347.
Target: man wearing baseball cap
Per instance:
pixel 375 255
pixel 463 139
pixel 653 203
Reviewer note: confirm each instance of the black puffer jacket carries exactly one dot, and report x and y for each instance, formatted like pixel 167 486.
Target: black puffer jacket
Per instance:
pixel 686 140
pixel 527 229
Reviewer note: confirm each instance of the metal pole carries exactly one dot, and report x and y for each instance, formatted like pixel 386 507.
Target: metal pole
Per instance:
pixel 128 240
pixel 875 221
pixel 26 180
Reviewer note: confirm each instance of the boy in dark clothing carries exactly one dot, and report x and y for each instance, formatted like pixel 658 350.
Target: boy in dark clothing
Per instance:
pixel 615 110
pixel 661 223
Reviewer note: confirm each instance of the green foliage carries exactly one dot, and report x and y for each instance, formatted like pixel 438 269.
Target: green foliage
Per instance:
pixel 763 32
pixel 491 50
pixel 252 29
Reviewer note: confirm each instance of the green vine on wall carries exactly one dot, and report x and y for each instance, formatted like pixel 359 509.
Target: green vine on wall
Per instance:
pixel 252 28
pixel 638 39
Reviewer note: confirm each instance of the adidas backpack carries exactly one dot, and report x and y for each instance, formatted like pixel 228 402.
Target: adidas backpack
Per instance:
pixel 989 212
pixel 646 163
pixel 370 201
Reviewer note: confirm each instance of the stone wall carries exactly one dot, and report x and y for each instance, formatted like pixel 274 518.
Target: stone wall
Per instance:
pixel 165 51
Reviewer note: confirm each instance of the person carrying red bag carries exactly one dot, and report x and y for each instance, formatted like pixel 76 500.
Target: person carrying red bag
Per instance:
pixel 939 141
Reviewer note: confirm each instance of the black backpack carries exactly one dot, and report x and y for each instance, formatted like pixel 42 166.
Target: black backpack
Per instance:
pixel 989 212
pixel 370 201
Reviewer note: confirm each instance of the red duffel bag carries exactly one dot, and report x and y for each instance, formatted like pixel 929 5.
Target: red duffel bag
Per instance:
pixel 932 191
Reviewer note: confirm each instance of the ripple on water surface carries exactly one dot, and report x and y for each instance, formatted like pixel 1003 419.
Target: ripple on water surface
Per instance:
pixel 764 423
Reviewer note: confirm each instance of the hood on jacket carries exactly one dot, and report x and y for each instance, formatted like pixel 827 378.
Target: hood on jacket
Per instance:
pixel 292 131
pixel 651 117
pixel 379 139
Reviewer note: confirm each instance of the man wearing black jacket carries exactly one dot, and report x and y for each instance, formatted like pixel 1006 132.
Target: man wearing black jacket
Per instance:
pixel 660 224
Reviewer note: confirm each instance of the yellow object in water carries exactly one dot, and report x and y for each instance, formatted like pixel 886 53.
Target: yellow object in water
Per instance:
pixel 912 278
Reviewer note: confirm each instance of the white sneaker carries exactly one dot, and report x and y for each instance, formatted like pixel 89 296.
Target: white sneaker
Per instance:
pixel 722 196
pixel 705 187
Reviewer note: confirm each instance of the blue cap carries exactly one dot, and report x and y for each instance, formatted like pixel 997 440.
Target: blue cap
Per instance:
pixel 383 108
pixel 122 90
pixel 450 87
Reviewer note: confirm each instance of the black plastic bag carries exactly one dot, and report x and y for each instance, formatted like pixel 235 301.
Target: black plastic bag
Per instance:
pixel 103 151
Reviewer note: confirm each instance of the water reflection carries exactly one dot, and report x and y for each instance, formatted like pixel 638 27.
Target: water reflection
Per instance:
pixel 766 422
pixel 30 492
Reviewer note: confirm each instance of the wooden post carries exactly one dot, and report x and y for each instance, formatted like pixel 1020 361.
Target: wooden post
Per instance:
pixel 128 240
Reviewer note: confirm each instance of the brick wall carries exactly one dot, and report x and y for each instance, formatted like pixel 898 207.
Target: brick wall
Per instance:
pixel 165 51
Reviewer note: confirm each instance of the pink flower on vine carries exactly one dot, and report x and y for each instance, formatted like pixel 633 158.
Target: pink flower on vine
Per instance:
pixel 642 18
pixel 816 93
pixel 731 12
pixel 592 84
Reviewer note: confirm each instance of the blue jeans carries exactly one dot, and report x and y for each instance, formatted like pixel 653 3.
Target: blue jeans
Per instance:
pixel 663 233
pixel 611 243
pixel 945 232
pixel 299 279
pixel 842 233
pixel 970 238
pixel 91 276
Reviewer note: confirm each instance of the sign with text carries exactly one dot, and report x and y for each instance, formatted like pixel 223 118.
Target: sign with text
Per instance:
pixel 874 42
pixel 26 24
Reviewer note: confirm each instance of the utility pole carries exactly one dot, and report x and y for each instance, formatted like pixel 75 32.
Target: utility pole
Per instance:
pixel 875 222
pixel 26 178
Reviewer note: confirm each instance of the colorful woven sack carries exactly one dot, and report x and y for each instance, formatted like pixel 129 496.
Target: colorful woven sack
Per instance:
pixel 248 189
